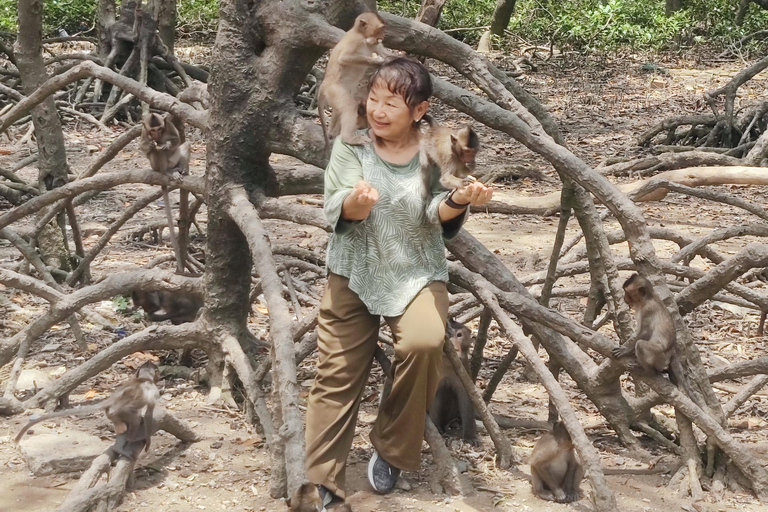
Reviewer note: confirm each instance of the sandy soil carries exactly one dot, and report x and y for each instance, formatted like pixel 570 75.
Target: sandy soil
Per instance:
pixel 602 107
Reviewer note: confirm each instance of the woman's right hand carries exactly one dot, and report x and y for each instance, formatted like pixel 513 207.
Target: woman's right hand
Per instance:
pixel 359 202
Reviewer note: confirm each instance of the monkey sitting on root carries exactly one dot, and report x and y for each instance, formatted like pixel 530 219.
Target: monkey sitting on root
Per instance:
pixel 452 401
pixel 556 474
pixel 129 408
pixel 655 337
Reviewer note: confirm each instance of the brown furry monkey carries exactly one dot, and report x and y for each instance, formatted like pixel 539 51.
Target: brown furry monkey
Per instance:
pixel 453 151
pixel 555 472
pixel 655 337
pixel 178 307
pixel 307 499
pixel 126 407
pixel 345 86
pixel 452 401
pixel 164 144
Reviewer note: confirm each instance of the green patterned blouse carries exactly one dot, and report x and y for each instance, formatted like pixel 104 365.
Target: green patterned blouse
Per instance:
pixel 398 249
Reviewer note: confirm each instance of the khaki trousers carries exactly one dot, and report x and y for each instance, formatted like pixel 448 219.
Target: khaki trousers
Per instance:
pixel 346 340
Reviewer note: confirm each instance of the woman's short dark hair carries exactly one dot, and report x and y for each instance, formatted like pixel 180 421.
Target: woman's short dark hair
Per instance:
pixel 406 77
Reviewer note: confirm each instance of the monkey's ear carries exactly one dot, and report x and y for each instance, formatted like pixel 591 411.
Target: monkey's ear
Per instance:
pixel 363 23
pixel 453 139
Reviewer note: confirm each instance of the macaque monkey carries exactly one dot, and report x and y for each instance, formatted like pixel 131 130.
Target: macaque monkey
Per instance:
pixel 307 499
pixel 654 341
pixel 126 407
pixel 196 95
pixel 164 143
pixel 555 473
pixel 452 401
pixel 345 86
pixel 178 307
pixel 453 151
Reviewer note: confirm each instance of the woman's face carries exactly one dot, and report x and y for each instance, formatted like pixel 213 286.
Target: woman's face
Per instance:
pixel 388 115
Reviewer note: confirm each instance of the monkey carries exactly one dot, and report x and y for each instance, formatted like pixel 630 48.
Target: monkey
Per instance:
pixel 129 408
pixel 555 472
pixel 196 95
pixel 178 307
pixel 164 144
pixel 655 337
pixel 452 400
pixel 307 499
pixel 453 151
pixel 344 88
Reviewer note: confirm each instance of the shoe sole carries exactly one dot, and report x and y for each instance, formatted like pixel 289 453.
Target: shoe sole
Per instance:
pixel 371 463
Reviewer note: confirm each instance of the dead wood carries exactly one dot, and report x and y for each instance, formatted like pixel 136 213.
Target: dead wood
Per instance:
pixel 89 493
pixel 196 118
pixel 756 366
pixel 101 182
pixel 156 337
pixel 104 239
pixel 670 125
pixel 756 384
pixel 245 215
pixel 112 285
pixel 751 256
pixel 668 161
pixel 481 338
pixel 713 195
pixel 603 497
pixel 689 251
pixel 506 457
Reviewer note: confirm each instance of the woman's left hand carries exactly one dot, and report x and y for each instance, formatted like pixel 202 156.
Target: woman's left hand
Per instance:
pixel 476 194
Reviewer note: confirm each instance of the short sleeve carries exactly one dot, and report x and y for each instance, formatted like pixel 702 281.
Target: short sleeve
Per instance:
pixel 342 174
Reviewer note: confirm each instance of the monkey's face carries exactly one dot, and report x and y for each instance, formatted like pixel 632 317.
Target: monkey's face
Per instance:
pixel 155 133
pixel 372 28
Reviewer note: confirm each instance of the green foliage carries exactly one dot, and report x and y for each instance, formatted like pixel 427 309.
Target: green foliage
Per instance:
pixel 197 16
pixel 72 15
pixel 122 304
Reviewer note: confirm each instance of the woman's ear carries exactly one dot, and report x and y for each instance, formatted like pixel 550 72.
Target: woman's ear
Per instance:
pixel 420 110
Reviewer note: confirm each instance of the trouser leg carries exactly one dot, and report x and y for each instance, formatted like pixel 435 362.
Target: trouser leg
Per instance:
pixel 419 334
pixel 346 341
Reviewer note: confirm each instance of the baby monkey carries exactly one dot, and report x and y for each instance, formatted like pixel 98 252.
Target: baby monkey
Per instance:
pixel 344 87
pixel 452 400
pixel 555 472
pixel 654 341
pixel 126 407
pixel 453 151
pixel 165 146
pixel 307 499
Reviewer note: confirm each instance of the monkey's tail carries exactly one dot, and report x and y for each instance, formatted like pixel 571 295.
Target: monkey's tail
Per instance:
pixel 77 411
pixel 429 120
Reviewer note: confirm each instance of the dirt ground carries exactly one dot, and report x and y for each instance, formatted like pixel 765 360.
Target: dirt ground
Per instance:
pixel 602 107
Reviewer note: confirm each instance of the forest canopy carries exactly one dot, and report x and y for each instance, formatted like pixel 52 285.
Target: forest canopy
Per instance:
pixel 596 25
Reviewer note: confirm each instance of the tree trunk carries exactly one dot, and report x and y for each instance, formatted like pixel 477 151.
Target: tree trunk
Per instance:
pixel 166 23
pixel 252 83
pixel 52 159
pixel 430 11
pixel 106 17
pixel 499 21
pixel 673 6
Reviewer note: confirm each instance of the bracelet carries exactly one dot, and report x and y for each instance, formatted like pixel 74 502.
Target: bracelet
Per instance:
pixel 453 204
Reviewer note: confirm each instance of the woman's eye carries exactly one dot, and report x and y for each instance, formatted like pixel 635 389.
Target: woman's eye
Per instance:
pixel 391 105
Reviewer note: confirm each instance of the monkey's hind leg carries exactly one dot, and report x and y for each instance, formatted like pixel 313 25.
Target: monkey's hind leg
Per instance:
pixel 348 119
pixel 539 487
pixel 174 240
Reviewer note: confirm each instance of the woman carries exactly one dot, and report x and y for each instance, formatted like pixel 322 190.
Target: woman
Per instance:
pixel 386 257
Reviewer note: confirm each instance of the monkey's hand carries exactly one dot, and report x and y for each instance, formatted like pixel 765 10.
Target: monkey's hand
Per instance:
pixel 622 351
pixel 473 441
